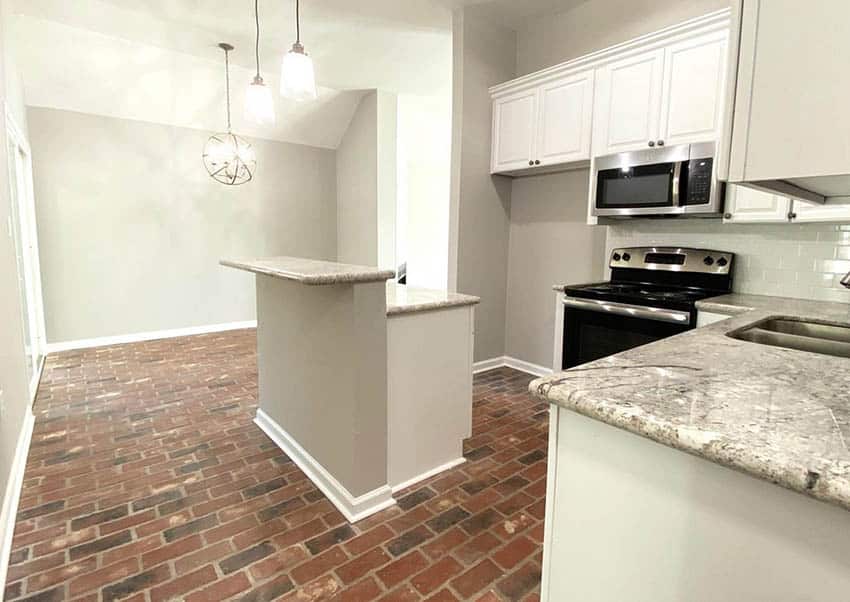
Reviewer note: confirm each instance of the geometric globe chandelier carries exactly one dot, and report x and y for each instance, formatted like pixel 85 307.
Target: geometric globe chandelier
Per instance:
pixel 228 158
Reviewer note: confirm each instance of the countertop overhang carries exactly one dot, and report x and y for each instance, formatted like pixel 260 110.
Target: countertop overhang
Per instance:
pixel 777 414
pixel 310 271
pixel 403 299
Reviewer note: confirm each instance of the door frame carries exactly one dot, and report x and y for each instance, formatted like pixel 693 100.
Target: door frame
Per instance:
pixel 29 233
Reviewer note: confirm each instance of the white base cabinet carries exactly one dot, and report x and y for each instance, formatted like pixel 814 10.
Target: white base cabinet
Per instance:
pixel 630 519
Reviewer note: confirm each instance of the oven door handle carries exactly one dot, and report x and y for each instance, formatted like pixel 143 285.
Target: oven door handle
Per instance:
pixel 635 311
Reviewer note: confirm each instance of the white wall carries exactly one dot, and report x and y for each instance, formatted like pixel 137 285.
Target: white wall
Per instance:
pixel 357 186
pixel 131 227
pixel 424 134
pixel 485 54
pixel 550 243
pixel 366 184
pixel 14 391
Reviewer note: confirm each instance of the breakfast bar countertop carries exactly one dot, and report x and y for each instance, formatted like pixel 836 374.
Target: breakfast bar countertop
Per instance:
pixel 777 414
pixel 310 271
pixel 403 299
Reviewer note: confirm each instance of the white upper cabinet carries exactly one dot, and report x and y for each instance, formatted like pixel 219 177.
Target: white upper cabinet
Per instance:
pixel 546 125
pixel 788 95
pixel 628 104
pixel 692 98
pixel 809 212
pixel 748 205
pixel 514 125
pixel 565 120
pixel 661 89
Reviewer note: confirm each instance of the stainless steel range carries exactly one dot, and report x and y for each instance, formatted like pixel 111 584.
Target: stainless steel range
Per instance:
pixel 652 294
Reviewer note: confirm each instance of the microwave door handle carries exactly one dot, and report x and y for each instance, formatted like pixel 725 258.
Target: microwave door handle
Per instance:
pixel 677 176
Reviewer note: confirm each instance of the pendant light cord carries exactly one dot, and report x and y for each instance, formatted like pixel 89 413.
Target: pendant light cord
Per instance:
pixel 227 84
pixel 297 21
pixel 257 44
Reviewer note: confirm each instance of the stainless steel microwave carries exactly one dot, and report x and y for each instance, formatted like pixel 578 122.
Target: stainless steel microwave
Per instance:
pixel 666 181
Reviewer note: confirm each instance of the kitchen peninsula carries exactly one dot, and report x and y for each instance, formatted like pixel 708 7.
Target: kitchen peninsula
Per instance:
pixel 341 356
pixel 631 517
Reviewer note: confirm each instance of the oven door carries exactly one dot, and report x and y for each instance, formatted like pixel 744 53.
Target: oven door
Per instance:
pixel 640 183
pixel 596 329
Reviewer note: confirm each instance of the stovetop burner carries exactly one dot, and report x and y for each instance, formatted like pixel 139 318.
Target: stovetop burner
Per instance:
pixel 641 293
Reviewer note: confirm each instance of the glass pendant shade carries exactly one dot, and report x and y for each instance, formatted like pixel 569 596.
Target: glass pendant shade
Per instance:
pixel 297 79
pixel 259 105
pixel 229 159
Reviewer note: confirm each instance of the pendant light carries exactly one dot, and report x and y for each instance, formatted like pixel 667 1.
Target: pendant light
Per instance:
pixel 297 79
pixel 228 158
pixel 259 106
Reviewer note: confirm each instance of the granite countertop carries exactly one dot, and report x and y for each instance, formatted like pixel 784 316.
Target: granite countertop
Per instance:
pixel 403 299
pixel 777 414
pixel 310 271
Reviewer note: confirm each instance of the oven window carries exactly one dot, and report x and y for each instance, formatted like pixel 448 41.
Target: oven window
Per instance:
pixel 640 186
pixel 591 335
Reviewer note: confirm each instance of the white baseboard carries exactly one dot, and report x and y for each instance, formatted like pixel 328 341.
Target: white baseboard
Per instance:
pixel 353 508
pixel 428 474
pixel 12 495
pixel 484 365
pixel 146 336
pixel 510 362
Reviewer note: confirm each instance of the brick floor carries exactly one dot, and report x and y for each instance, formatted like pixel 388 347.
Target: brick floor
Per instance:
pixel 147 480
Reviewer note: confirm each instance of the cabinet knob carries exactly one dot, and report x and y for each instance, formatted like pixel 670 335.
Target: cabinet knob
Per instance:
pixel 660 143
pixel 537 161
pixel 531 162
pixel 727 216
pixel 792 215
pixel 651 143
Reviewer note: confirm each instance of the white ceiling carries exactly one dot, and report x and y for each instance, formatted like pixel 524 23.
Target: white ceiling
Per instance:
pixel 397 45
pixel 158 60
pixel 400 46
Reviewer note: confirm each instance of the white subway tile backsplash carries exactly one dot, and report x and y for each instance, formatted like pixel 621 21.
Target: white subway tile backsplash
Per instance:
pixel 790 260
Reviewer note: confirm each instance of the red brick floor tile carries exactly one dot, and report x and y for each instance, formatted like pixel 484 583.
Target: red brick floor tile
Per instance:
pixel 147 479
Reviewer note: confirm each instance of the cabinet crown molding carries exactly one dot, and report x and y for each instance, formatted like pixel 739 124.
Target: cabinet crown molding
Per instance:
pixel 717 20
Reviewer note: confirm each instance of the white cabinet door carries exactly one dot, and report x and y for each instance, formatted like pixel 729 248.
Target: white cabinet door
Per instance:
pixel 629 103
pixel 514 123
pixel 808 212
pixel 745 205
pixel 566 118
pixel 692 98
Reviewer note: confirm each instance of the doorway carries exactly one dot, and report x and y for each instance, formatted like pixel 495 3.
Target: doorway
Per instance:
pixel 22 226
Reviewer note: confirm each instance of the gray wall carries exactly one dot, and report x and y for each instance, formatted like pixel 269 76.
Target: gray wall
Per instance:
pixel 549 240
pixel 357 186
pixel 131 228
pixel 366 183
pixel 14 394
pixel 485 54
pixel 550 243
pixel 597 24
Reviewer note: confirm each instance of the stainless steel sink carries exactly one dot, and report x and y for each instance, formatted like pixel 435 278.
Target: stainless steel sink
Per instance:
pixel 790 333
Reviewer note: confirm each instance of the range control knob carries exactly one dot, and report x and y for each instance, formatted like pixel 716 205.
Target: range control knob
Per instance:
pixel 708 260
pixel 722 262
pixel 616 257
pixel 626 256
